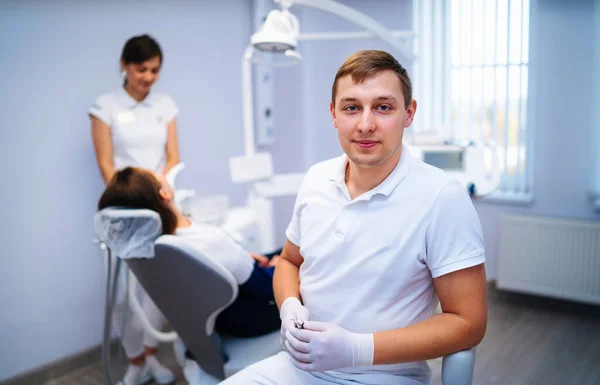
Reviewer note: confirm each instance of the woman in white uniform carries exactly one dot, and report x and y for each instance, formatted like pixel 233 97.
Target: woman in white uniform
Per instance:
pixel 133 126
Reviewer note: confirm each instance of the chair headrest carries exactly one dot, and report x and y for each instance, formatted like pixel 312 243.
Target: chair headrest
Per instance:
pixel 129 233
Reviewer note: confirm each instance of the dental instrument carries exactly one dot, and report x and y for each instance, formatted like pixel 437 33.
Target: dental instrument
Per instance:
pixel 298 323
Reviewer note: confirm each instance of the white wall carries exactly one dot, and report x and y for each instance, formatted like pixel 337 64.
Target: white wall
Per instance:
pixel 56 58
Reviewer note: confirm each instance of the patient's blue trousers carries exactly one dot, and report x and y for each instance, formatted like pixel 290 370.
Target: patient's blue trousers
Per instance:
pixel 254 311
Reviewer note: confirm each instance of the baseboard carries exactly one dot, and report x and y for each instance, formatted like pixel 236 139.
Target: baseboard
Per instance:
pixel 60 367
pixel 532 301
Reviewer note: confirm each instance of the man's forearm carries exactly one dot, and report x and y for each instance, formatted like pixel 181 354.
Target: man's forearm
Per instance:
pixel 286 281
pixel 435 337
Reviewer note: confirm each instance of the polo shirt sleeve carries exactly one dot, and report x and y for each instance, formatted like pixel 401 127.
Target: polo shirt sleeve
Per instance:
pixel 454 239
pixel 102 109
pixel 169 109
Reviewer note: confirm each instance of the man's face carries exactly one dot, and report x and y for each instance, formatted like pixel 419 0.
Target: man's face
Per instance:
pixel 370 117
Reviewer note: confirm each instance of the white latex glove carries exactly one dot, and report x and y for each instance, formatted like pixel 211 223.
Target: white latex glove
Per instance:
pixel 291 310
pixel 321 346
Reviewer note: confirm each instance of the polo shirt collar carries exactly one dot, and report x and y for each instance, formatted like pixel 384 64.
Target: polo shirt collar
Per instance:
pixel 389 184
pixel 129 102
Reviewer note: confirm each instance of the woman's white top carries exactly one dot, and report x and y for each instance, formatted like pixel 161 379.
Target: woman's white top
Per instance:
pixel 214 242
pixel 138 129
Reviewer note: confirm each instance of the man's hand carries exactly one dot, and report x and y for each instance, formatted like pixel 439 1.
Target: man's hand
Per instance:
pixel 291 310
pixel 321 346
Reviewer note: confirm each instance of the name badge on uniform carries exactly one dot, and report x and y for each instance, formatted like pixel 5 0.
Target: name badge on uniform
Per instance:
pixel 124 117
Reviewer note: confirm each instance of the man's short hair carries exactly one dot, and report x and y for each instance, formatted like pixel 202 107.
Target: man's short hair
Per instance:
pixel 363 64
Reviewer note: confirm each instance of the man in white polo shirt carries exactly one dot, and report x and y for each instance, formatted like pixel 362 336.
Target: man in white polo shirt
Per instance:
pixel 374 236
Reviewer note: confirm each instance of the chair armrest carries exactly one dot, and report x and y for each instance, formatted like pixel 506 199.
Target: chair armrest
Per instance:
pixel 457 368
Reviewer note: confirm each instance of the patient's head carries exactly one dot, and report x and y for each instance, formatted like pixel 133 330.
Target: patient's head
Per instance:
pixel 138 188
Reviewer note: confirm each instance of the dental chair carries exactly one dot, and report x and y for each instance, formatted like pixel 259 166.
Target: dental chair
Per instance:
pixel 191 290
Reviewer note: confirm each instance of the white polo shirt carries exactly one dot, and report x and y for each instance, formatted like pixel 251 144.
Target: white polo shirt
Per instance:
pixel 138 129
pixel 214 242
pixel 369 263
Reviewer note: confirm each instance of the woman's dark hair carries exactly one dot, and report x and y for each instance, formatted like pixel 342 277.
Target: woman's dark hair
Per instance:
pixel 137 188
pixel 139 49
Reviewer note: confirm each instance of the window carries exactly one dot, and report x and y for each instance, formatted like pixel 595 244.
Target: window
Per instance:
pixel 471 79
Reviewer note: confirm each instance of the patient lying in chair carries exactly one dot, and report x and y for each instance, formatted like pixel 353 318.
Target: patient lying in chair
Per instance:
pixel 254 311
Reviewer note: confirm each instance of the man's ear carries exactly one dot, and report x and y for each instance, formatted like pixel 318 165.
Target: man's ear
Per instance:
pixel 332 110
pixel 410 113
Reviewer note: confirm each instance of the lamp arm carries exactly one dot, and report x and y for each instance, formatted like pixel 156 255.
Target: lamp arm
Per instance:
pixel 356 17
pixel 247 106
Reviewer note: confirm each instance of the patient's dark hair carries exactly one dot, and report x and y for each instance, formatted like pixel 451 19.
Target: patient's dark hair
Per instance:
pixel 137 188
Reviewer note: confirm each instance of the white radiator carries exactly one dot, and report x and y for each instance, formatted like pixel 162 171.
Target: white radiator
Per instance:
pixel 550 257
